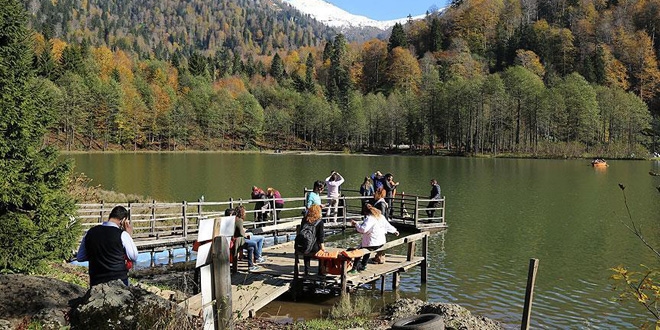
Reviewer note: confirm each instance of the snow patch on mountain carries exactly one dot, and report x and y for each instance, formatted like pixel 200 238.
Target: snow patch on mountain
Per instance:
pixel 336 17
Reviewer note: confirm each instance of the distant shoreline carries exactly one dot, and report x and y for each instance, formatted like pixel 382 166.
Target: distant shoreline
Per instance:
pixel 442 153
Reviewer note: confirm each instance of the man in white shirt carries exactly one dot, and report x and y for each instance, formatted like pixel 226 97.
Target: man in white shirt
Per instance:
pixel 107 247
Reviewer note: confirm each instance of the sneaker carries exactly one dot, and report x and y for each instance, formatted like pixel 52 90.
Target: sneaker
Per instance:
pixel 353 271
pixel 253 268
pixel 260 260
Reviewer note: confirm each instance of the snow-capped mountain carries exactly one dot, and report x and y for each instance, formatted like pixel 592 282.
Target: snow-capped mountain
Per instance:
pixel 336 17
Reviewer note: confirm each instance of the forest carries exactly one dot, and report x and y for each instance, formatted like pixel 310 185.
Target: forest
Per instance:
pixel 540 78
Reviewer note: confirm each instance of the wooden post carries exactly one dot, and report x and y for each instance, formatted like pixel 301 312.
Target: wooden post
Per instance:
pixel 199 208
pixel 403 206
pixel 344 281
pixel 231 202
pixel 395 280
pixel 382 285
pixel 411 250
pixel 443 210
pixel 425 255
pixel 529 293
pixel 184 220
pixel 416 211
pixel 153 216
pixel 129 211
pixel 102 208
pixel 222 283
pixel 344 210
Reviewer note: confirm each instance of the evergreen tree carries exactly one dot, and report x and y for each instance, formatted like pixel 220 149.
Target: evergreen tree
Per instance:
pixel 72 60
pixel 398 37
pixel 198 65
pixel 35 209
pixel 277 68
pixel 309 74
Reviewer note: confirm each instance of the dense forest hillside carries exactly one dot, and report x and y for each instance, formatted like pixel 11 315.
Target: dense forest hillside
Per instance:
pixel 552 78
pixel 155 28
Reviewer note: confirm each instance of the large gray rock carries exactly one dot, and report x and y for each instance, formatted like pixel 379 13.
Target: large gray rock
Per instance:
pixel 113 305
pixel 454 316
pixel 25 298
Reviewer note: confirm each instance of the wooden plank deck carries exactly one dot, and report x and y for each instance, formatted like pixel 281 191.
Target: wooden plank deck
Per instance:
pixel 252 291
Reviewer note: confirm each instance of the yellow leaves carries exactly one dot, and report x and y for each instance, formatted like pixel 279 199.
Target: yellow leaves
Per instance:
pixel 124 66
pixel 57 48
pixel 104 59
pixel 639 286
pixel 616 74
pixel 530 61
pixel 39 43
pixel 403 71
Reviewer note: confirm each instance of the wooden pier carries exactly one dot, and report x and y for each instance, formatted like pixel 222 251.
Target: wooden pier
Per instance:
pixel 165 226
pixel 252 291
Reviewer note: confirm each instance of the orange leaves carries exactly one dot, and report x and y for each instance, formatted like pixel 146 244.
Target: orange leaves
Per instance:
pixel 234 85
pixel 404 72
pixel 530 61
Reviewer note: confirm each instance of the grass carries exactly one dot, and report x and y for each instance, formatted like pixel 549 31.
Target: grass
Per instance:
pixel 359 306
pixel 66 273
pixel 328 324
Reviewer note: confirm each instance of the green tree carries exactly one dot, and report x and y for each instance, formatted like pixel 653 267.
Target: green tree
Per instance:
pixel 277 68
pixel 309 74
pixel 398 38
pixel 35 210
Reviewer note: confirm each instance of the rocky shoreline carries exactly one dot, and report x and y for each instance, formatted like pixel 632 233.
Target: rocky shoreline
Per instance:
pixel 53 304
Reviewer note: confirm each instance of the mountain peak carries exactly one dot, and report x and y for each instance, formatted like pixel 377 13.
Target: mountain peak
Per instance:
pixel 336 17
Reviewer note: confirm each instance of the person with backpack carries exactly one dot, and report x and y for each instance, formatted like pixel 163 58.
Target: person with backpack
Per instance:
pixel 309 239
pixel 373 230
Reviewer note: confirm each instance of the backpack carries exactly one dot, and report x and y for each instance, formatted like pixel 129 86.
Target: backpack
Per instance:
pixel 306 238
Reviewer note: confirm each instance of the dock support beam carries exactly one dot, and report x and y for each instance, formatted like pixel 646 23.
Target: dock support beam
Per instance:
pixel 425 255
pixel 396 277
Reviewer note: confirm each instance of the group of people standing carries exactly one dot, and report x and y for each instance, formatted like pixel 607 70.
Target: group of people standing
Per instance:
pixel 383 189
pixel 271 199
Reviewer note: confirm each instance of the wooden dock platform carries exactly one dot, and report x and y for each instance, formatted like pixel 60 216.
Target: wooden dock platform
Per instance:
pixel 252 291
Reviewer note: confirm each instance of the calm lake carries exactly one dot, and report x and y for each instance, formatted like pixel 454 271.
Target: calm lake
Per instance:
pixel 500 212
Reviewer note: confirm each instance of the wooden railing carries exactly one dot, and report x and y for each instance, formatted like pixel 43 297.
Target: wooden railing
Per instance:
pixel 179 222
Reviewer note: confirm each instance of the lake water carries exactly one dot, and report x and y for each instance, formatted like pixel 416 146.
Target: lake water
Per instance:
pixel 501 213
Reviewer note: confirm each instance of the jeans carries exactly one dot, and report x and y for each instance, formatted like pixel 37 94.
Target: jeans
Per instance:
pixel 257 244
pixel 250 247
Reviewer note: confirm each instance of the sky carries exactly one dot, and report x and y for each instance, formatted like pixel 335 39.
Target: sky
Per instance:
pixel 387 9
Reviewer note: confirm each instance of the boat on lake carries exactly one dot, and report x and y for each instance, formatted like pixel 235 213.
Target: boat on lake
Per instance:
pixel 599 163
